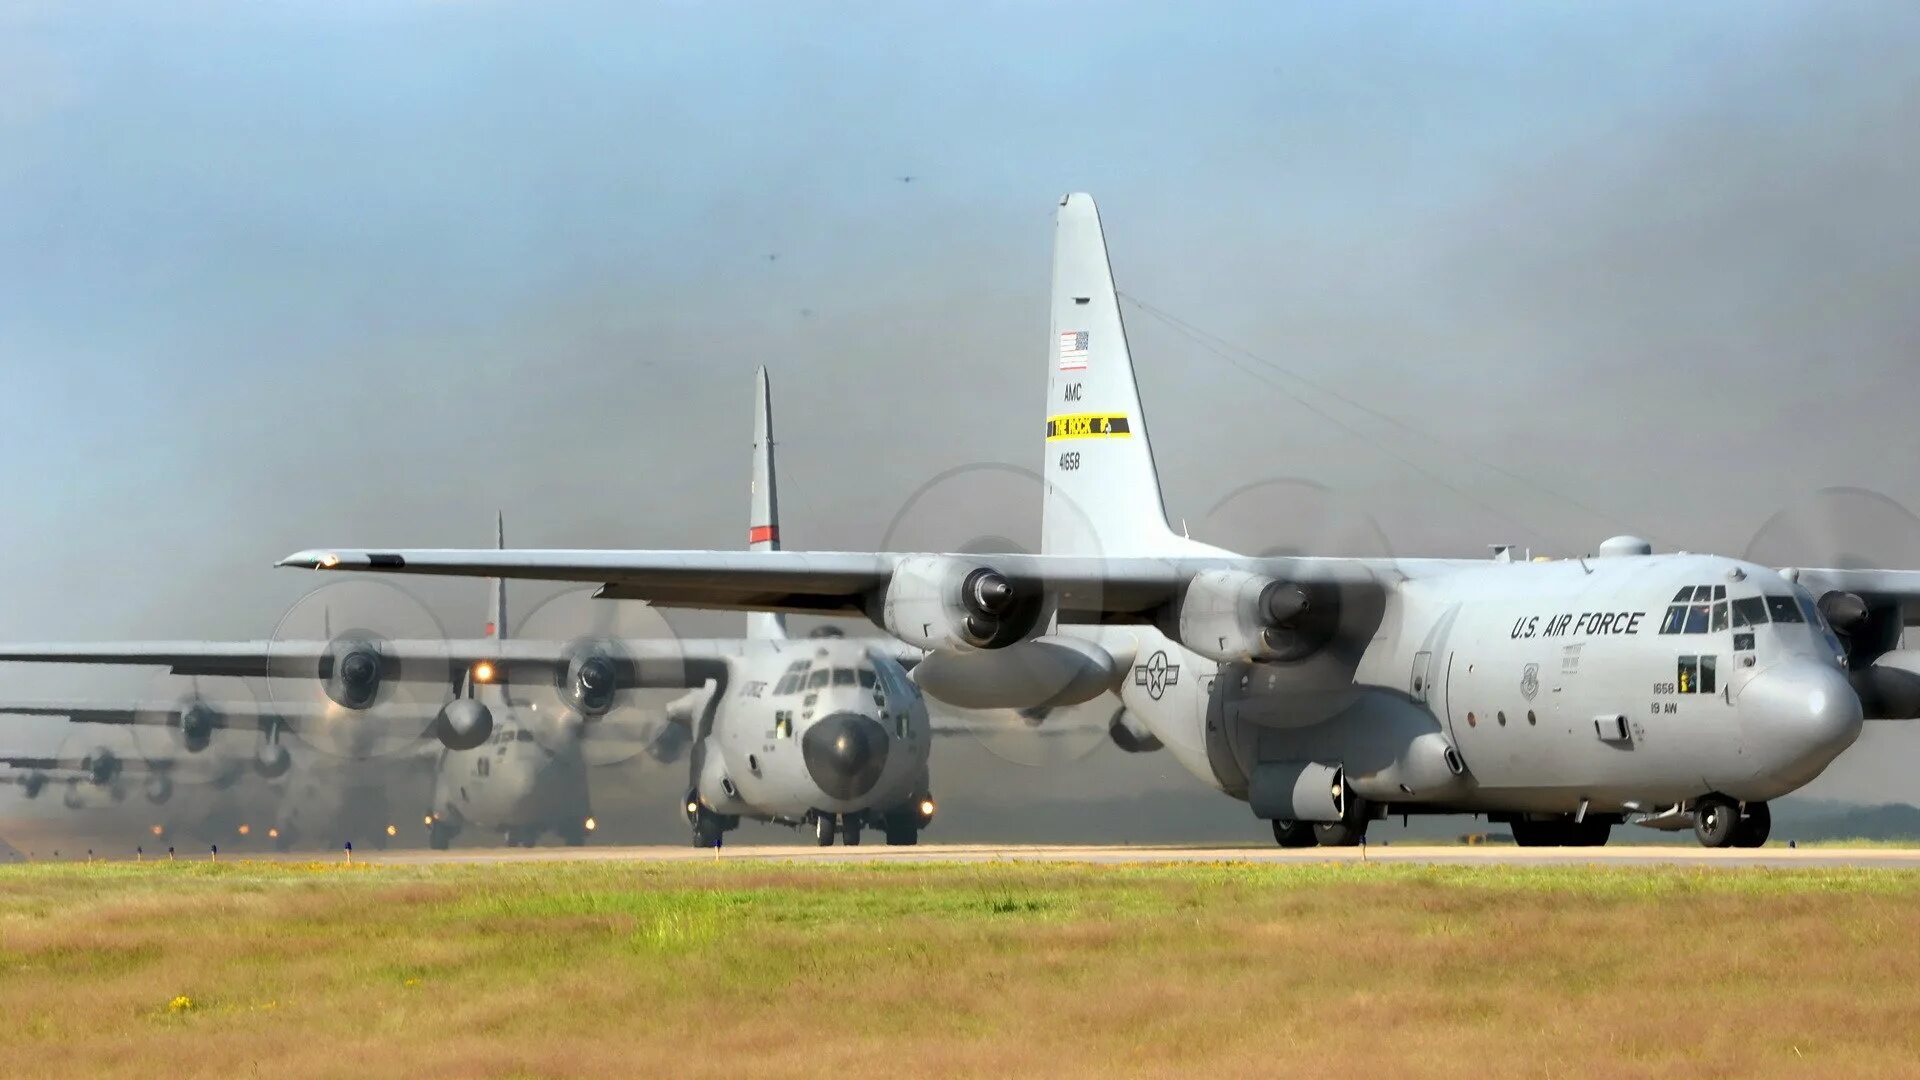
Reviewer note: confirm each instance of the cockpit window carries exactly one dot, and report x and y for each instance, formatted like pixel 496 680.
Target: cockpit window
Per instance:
pixel 1696 609
pixel 866 678
pixel 1809 609
pixel 787 685
pixel 523 736
pixel 1749 611
pixel 1697 619
pixel 819 678
pixel 843 676
pixel 1784 610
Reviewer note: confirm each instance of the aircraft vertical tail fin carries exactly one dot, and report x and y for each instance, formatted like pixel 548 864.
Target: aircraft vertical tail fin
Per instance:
pixel 497 587
pixel 1102 492
pixel 763 523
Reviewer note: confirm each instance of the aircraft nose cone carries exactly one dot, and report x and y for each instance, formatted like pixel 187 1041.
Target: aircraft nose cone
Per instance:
pixel 1799 715
pixel 845 754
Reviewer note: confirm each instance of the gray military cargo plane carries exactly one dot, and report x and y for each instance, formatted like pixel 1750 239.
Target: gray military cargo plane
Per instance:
pixel 823 732
pixel 1562 697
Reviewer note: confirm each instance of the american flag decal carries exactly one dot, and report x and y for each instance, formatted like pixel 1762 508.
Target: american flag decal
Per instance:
pixel 1073 350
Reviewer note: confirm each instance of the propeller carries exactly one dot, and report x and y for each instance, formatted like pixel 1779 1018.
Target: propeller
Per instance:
pixel 1326 626
pixel 584 702
pixel 995 508
pixel 1839 527
pixel 1843 528
pixel 179 719
pixel 378 682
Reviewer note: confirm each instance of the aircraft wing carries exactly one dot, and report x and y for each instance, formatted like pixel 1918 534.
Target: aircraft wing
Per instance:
pixel 1877 587
pixel 838 582
pixel 233 716
pixel 642 662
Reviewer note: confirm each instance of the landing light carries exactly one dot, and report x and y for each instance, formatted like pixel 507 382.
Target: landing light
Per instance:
pixel 926 807
pixel 393 830
pixel 157 830
pixel 429 820
pixel 592 824
pixel 328 561
pixel 273 834
pixel 245 829
pixel 692 807
pixel 483 672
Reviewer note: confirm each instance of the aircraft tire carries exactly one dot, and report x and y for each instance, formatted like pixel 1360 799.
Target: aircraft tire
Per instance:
pixel 1530 833
pixel 708 830
pixel 1350 830
pixel 1594 832
pixel 850 833
pixel 1716 821
pixel 1293 834
pixel 823 829
pixel 1753 830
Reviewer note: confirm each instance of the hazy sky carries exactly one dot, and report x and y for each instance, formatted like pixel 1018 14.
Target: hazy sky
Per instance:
pixel 275 276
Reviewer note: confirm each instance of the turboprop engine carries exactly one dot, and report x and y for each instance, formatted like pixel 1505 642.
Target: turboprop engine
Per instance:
pixel 1232 615
pixel 352 670
pixel 940 603
pixel 590 682
pixel 1886 677
pixel 1044 673
pixel 197 721
pixel 463 724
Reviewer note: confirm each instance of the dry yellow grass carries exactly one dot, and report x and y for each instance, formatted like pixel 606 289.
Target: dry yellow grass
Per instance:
pixel 765 970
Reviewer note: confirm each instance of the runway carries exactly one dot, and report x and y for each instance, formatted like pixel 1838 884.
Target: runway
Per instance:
pixel 1452 855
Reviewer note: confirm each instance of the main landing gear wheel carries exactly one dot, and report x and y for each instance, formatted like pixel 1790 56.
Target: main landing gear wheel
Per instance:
pixel 823 829
pixel 1350 830
pixel 1753 829
pixel 902 828
pixel 1716 821
pixel 440 835
pixel 1293 834
pixel 708 828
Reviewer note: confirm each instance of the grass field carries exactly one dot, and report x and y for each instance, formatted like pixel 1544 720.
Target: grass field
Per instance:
pixel 752 970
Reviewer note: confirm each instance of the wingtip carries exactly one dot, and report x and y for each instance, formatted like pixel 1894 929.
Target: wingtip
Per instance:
pixel 311 560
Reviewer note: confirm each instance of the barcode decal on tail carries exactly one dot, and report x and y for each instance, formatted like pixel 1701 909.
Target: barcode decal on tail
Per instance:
pixel 1087 427
pixel 1073 350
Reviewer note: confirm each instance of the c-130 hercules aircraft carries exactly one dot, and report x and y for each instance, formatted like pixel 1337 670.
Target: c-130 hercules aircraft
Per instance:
pixel 824 732
pixel 1562 697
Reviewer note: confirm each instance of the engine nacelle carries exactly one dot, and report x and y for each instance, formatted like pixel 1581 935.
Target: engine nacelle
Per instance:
pixel 1231 615
pixel 35 782
pixel 940 603
pixel 1889 688
pixel 272 761
pixel 1044 673
pixel 197 721
pixel 1130 734
pixel 463 724
pixel 352 670
pixel 102 766
pixel 158 788
pixel 590 684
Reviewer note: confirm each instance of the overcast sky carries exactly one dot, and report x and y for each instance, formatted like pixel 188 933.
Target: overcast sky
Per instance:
pixel 276 276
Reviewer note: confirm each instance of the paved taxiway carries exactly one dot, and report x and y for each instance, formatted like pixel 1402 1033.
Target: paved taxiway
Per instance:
pixel 1489 855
